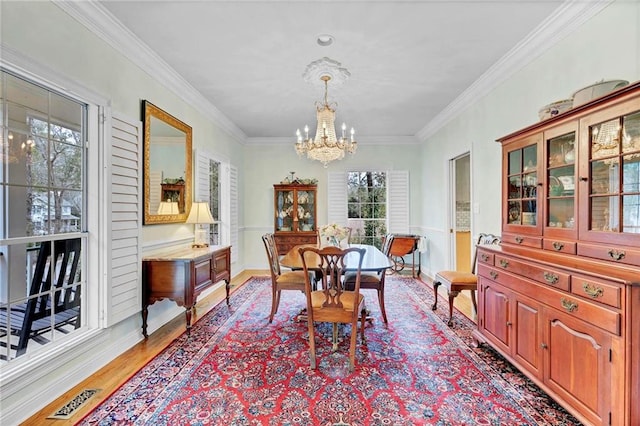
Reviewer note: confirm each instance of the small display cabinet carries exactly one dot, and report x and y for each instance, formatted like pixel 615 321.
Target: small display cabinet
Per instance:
pixel 295 215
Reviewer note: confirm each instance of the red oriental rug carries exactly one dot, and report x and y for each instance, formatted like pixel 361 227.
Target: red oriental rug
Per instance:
pixel 237 369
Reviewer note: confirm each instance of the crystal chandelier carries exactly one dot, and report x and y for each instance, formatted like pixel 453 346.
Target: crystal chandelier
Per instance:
pixel 326 147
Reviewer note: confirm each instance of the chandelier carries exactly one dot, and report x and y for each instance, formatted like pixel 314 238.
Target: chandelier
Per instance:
pixel 325 147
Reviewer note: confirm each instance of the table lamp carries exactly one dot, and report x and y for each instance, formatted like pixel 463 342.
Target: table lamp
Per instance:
pixel 200 215
pixel 168 207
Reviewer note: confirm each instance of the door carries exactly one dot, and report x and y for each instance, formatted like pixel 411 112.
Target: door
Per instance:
pixel 460 213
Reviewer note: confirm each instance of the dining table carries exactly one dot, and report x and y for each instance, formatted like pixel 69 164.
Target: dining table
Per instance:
pixel 373 261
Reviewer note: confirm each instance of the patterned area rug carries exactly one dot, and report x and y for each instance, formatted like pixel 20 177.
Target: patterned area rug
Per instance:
pixel 237 369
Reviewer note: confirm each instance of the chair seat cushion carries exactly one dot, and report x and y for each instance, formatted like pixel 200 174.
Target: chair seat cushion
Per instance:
pixel 293 277
pixel 457 277
pixel 347 298
pixel 364 277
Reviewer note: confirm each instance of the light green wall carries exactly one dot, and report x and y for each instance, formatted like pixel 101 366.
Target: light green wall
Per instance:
pixel 265 165
pixel 605 47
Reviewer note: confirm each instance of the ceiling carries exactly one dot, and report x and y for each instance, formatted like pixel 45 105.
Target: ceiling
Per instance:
pixel 408 60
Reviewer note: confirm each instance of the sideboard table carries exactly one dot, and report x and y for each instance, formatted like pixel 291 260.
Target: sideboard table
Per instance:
pixel 181 274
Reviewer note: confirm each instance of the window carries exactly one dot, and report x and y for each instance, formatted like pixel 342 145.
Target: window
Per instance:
pixel 367 207
pixel 214 201
pixel 43 215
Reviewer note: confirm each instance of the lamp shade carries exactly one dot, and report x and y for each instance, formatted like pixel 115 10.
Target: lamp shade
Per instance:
pixel 200 213
pixel 168 207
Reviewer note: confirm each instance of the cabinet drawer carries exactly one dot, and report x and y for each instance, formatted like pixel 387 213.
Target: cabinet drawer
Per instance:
pixel 560 246
pixel 596 290
pixel 485 257
pixel 522 240
pixel 202 274
pixel 610 253
pixel 590 312
pixel 547 276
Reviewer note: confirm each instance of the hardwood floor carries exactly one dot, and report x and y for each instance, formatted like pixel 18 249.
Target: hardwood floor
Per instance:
pixel 110 377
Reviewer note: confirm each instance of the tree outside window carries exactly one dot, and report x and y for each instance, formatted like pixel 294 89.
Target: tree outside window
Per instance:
pixel 367 207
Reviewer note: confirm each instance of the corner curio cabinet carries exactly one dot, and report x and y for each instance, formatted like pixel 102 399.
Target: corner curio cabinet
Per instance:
pixel 295 220
pixel 560 296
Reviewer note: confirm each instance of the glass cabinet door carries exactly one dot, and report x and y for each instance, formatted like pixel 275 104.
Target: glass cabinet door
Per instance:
pixel 614 169
pixel 522 189
pixel 561 181
pixel 305 210
pixel 284 210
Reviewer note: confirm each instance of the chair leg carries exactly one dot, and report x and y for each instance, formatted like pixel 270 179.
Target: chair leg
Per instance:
pixel 352 348
pixel 335 336
pixel 436 284
pixel 473 300
pixel 381 301
pixel 452 295
pixel 363 320
pixel 275 301
pixel 312 344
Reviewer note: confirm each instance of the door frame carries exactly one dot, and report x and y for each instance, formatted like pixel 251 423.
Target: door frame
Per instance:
pixel 452 205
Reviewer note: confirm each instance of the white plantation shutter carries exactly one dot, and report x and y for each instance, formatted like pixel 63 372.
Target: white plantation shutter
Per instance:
pixel 123 271
pixel 202 177
pixel 398 201
pixel 336 198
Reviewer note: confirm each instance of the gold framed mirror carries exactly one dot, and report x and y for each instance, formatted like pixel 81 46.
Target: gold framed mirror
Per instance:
pixel 167 167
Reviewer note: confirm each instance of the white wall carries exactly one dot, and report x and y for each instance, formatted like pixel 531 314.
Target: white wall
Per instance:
pixel 605 47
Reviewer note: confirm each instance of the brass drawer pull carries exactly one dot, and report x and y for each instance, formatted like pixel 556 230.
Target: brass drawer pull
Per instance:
pixel 568 305
pixel 592 290
pixel 558 246
pixel 519 240
pixel 551 278
pixel 504 263
pixel 616 255
pixel 493 274
pixel 543 345
pixel 484 257
pixel 509 323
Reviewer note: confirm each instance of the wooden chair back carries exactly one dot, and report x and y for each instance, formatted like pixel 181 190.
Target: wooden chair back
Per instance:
pixel 483 239
pixel 272 254
pixel 55 290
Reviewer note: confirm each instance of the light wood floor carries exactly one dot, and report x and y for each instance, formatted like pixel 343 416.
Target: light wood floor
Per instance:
pixel 110 377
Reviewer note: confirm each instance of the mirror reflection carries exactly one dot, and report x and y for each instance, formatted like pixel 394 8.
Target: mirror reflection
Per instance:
pixel 167 168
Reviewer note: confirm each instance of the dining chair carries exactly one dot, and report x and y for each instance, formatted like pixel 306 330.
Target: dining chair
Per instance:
pixel 373 280
pixel 333 303
pixel 290 280
pixel 455 281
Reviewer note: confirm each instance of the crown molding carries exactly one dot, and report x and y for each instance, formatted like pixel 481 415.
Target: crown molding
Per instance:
pixel 362 140
pixel 102 23
pixel 565 19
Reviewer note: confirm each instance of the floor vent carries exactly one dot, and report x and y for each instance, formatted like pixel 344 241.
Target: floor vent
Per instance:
pixel 70 407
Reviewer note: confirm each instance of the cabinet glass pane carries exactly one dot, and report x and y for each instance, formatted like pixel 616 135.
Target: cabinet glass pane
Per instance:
pixel 515 187
pixel 514 213
pixel 285 210
pixel 530 158
pixel 305 210
pixel 605 139
pixel 561 150
pixel 605 214
pixel 515 162
pixel 561 213
pixel 631 133
pixel 604 176
pixel 631 214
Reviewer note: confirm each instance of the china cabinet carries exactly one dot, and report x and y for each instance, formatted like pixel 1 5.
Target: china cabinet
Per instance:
pixel 295 215
pixel 560 297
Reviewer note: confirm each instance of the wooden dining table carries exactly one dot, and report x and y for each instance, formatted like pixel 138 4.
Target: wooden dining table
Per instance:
pixel 374 260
